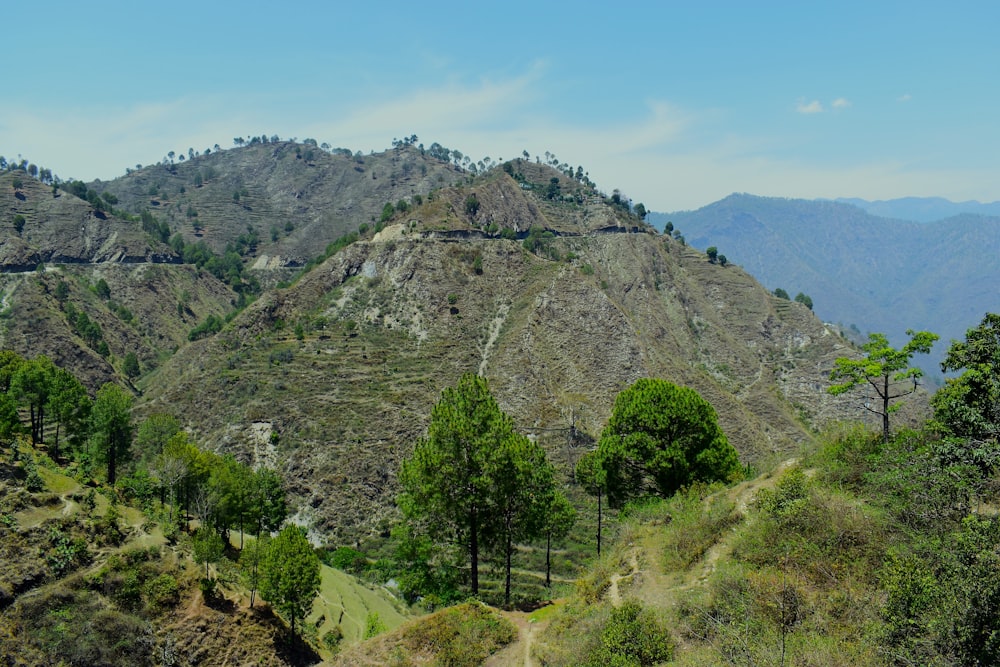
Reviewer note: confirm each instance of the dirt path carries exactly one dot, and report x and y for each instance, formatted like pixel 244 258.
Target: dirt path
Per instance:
pixel 741 495
pixel 614 589
pixel 518 652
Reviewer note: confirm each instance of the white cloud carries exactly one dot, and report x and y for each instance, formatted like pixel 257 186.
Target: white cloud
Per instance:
pixel 809 107
pixel 665 156
pixel 906 97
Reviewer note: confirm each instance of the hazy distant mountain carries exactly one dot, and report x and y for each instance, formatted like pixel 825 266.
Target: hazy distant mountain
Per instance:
pixel 880 274
pixel 922 209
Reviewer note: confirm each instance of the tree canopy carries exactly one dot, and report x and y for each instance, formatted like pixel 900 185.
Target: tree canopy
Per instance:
pixel 290 573
pixel 885 369
pixel 111 427
pixel 472 480
pixel 660 438
pixel 969 405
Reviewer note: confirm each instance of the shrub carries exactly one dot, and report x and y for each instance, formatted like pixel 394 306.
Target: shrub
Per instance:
pixel 161 593
pixel 348 560
pixel 633 636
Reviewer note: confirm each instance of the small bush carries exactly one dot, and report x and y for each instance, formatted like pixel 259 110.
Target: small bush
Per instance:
pixel 461 636
pixel 633 636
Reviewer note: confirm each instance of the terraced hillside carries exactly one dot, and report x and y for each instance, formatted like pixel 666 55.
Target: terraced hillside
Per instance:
pixel 293 198
pixel 334 377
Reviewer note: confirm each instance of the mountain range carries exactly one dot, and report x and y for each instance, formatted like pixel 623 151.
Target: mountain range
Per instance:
pixel 558 294
pixel 870 273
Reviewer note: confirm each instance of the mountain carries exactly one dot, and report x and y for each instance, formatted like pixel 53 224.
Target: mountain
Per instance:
pixel 877 274
pixel 334 377
pixel 922 209
pixel 292 198
pixel 558 294
pixel 329 346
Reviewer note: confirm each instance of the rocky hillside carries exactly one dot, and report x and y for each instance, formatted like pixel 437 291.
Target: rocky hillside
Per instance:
pixel 334 377
pixel 293 198
pixel 39 224
pixel 557 293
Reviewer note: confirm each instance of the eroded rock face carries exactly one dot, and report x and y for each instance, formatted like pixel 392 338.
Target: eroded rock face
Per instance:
pixel 387 325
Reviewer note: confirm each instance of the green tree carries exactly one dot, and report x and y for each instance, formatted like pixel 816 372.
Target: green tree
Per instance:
pixel 70 406
pixel 559 518
pixel 208 547
pixel 154 432
pixel 111 427
pixel 290 573
pixel 62 291
pixel 781 294
pixel 805 300
pixel 472 205
pixel 969 405
pixel 102 289
pixel 885 369
pixel 723 260
pixel 251 557
pixel 446 483
pixel 130 366
pixel 661 437
pixel 19 223
pixel 521 485
pixel 640 211
pixel 10 421
pixel 32 384
pixel 712 253
pixel 387 212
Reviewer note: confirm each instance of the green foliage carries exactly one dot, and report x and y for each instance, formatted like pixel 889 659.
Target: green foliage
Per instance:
pixel 130 366
pixel 696 520
pixel 290 573
pixel 64 552
pixel 102 289
pixel 943 604
pixel 347 559
pixel 462 636
pixel 86 328
pixel 633 636
pixel 211 326
pixel 387 212
pixel 19 223
pixel 885 369
pixel 32 384
pixel 373 625
pixel 660 438
pixel 969 405
pixel 598 635
pixel 471 205
pixel 470 477
pixel 712 252
pixel 539 241
pixel 208 547
pixel 523 495
pixel 69 627
pixel 781 294
pixel 804 299
pixel 424 570
pixel 111 427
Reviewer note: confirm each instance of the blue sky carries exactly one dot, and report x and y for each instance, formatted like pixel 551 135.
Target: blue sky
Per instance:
pixel 675 104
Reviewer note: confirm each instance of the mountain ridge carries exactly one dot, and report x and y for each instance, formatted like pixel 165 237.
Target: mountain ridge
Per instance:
pixel 875 273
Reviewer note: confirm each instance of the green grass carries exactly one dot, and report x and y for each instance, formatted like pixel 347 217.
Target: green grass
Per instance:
pixel 345 601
